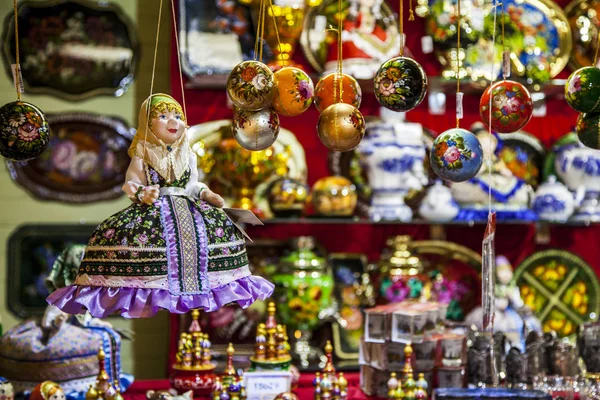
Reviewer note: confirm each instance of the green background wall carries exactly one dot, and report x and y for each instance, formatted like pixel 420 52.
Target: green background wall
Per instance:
pixel 146 356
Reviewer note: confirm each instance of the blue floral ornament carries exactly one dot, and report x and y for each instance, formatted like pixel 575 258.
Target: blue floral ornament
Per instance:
pixel 456 155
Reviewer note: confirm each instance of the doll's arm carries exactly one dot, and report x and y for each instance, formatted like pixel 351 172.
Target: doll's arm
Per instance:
pixel 135 186
pixel 199 190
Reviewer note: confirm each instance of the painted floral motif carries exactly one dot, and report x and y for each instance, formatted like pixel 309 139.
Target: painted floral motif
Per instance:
pixel 583 90
pixel 520 163
pixel 400 84
pixel 357 120
pixel 250 85
pixel 294 91
pixel 512 106
pixel 588 130
pixel 24 131
pixel 456 155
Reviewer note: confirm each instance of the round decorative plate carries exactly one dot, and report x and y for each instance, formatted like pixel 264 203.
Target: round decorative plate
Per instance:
pixel 523 155
pixel 584 22
pixel 370 37
pixel 537 32
pixel 561 289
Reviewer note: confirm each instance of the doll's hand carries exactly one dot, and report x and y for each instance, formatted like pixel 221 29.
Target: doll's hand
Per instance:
pixel 213 198
pixel 149 195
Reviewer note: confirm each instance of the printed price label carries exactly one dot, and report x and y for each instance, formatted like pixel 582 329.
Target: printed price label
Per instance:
pixel 506 64
pixel 267 385
pixel 459 105
pixel 18 78
pixel 427 44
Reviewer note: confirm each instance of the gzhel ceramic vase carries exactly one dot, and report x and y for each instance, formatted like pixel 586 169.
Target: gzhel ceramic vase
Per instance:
pixel 554 202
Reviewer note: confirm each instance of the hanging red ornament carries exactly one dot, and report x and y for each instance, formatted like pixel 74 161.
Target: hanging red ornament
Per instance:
pixel 326 92
pixel 511 106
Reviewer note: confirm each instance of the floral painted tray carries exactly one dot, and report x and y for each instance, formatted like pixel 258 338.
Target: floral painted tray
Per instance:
pixel 73 49
pixel 86 160
pixel 561 289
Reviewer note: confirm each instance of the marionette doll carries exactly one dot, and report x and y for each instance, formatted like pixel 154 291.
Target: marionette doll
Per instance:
pixel 175 247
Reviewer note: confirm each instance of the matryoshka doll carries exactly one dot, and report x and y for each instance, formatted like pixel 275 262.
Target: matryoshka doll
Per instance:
pixel 6 389
pixel 47 390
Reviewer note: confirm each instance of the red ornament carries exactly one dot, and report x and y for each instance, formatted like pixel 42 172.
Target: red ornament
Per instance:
pixel 511 106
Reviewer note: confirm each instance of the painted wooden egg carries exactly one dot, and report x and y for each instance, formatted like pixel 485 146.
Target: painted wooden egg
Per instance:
pixel 588 130
pixel 400 84
pixel 294 91
pixel 456 155
pixel 250 85
pixel 341 127
pixel 255 130
pixel 582 90
pixel 24 131
pixel 327 91
pixel 511 106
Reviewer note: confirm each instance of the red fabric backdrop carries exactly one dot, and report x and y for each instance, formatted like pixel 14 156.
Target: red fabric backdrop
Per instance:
pixel 514 241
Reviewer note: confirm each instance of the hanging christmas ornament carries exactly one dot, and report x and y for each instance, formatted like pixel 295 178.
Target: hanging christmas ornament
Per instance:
pixel 588 130
pixel 456 155
pixel 24 130
pixel 250 85
pixel 511 106
pixel 294 91
pixel 255 130
pixel 341 127
pixel 324 92
pixel 400 84
pixel 582 90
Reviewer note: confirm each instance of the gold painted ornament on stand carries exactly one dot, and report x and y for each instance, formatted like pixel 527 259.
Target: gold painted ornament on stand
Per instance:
pixel 255 130
pixel 341 127
pixel 294 91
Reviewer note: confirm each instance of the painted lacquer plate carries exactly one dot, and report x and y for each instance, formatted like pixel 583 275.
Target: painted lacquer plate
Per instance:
pixel 523 155
pixel 86 160
pixel 73 49
pixel 584 20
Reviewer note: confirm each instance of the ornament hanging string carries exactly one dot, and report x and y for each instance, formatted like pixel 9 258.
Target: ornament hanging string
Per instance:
pixel 505 65
pixel 17 69
pixel 283 62
pixel 597 47
pixel 175 29
pixel 337 80
pixel 458 94
pixel 411 14
pixel 260 31
pixel 401 25
pixel 160 7
pixel 491 97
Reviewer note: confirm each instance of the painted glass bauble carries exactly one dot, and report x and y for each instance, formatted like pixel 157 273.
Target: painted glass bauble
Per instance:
pixel 255 130
pixel 456 155
pixel 400 84
pixel 588 130
pixel 327 91
pixel 341 127
pixel 582 90
pixel 24 131
pixel 511 106
pixel 294 91
pixel 250 85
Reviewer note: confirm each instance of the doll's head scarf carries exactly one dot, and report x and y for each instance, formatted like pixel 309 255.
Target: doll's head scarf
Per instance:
pixel 171 161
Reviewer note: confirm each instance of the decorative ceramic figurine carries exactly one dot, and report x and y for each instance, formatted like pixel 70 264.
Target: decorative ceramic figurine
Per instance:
pixel 341 127
pixel 438 204
pixel 510 195
pixel 271 348
pixel 24 131
pixel 554 202
pixel 578 167
pixel 6 389
pixel 173 248
pixel 294 91
pixel 511 104
pixel 393 153
pixel 334 196
pixel 456 155
pixel 255 130
pixel 327 91
pixel 400 84
pixel 69 358
pixel 250 85
pixel 588 130
pixel 47 390
pixel 511 317
pixel 582 90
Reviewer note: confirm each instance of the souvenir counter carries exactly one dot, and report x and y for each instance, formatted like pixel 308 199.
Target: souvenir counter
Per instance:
pixel 331 200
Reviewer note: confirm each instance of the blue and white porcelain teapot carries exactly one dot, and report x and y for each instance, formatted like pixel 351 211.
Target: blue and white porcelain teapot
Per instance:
pixel 554 202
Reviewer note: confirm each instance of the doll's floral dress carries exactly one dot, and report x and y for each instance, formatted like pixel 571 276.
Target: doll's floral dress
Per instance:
pixel 178 254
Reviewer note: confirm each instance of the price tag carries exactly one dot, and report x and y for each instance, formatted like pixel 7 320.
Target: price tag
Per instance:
pixel 265 385
pixel 17 78
pixel 427 44
pixel 506 64
pixel 459 105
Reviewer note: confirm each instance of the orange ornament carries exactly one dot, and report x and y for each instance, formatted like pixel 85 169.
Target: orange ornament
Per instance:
pixel 326 93
pixel 341 127
pixel 294 91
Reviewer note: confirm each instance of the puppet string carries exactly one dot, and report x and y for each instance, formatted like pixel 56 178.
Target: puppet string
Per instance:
pixel 262 29
pixel 160 7
pixel 258 42
pixel 17 60
pixel 178 59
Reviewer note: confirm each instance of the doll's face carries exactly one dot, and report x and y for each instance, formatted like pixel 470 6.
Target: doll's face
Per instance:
pixel 168 126
pixel 505 274
pixel 57 395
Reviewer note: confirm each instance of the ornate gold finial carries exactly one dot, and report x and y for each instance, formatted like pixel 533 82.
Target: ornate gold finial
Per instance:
pixel 195 329
pixel 408 350
pixel 329 369
pixel 409 382
pixel 260 347
pixel 103 388
pixel 271 321
pixel 230 374
pixel 342 381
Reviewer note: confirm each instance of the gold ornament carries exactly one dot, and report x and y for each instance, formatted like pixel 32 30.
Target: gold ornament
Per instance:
pixel 341 127
pixel 255 130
